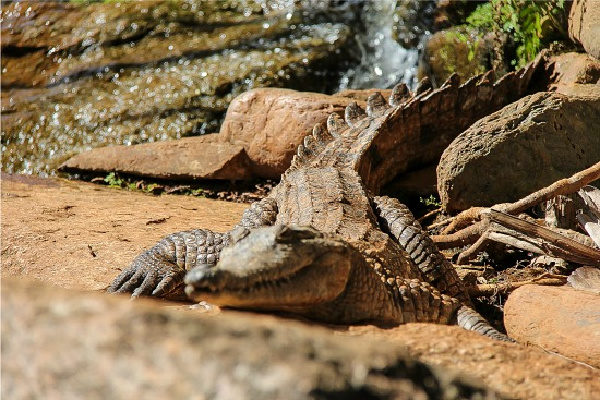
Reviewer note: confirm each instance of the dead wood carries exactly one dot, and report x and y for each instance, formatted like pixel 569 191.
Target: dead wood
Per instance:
pixel 590 218
pixel 528 236
pixel 561 187
pixel 490 289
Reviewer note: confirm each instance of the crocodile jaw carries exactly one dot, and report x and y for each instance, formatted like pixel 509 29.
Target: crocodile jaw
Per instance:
pixel 275 268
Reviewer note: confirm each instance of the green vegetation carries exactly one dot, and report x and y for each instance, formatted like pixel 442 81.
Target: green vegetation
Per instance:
pixel 431 201
pixel 532 24
pixel 114 180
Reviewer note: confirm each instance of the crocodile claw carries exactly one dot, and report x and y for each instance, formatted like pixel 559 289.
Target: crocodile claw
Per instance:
pixel 148 276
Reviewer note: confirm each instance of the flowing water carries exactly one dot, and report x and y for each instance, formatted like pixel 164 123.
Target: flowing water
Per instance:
pixel 83 75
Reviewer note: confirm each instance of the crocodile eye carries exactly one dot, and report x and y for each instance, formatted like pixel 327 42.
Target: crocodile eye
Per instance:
pixel 296 233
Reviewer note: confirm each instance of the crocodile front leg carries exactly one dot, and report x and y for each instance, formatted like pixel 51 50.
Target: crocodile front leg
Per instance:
pixel 397 220
pixel 160 270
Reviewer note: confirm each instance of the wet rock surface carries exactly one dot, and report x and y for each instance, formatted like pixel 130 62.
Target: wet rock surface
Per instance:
pixel 77 236
pixel 82 75
pixel 525 146
pixel 559 319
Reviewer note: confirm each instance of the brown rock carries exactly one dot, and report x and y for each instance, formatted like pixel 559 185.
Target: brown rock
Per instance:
pixel 187 158
pixel 584 25
pixel 559 319
pixel 575 74
pixel 82 345
pixel 527 145
pixel 514 370
pixel 270 123
pixel 260 134
pixel 361 95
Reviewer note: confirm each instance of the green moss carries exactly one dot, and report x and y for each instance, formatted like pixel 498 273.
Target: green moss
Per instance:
pixel 533 25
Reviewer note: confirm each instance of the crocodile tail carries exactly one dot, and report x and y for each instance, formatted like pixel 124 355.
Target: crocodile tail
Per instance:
pixel 471 320
pixel 336 127
pixel 313 144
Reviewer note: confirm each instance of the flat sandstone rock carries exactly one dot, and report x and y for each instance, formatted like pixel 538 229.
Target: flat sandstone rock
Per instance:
pixel 187 158
pixel 559 319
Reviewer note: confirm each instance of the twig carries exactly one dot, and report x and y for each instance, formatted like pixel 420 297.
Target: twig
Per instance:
pixel 489 289
pixel 561 187
pixel 429 214
pixel 507 229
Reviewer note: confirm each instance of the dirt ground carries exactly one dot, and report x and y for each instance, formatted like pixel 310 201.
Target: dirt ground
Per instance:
pixel 79 235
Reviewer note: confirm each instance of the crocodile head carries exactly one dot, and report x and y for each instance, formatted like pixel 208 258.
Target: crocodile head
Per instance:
pixel 274 268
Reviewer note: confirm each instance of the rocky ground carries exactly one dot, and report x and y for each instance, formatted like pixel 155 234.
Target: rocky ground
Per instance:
pixel 77 236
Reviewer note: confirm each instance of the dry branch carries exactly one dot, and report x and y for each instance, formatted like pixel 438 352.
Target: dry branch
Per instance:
pixel 561 187
pixel 590 219
pixel 489 289
pixel 510 230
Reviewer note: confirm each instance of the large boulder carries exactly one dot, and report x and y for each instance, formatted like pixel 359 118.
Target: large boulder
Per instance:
pixel 559 319
pixel 525 146
pixel 62 344
pixel 271 123
pixel 584 25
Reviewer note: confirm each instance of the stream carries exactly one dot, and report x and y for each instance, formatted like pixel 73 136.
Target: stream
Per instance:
pixel 78 75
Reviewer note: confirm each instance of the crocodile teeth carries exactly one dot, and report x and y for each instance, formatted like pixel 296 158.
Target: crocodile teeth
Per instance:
pixel 376 105
pixel 354 113
pixel 400 93
pixel 424 86
pixel 335 125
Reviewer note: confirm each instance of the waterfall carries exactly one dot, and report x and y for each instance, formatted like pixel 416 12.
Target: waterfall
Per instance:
pixel 383 62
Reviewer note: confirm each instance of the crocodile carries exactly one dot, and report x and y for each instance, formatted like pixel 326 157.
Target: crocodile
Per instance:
pixel 320 246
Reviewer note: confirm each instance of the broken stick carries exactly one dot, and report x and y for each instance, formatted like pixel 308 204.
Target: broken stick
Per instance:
pixel 510 230
pixel 561 187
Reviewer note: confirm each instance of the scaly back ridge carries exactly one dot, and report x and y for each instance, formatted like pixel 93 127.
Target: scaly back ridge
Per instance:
pixel 376 105
pixel 354 113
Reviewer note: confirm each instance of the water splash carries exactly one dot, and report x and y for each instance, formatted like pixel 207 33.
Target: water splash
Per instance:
pixel 383 62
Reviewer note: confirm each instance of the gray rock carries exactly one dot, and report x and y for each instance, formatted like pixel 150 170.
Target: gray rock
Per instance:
pixel 525 146
pixel 69 345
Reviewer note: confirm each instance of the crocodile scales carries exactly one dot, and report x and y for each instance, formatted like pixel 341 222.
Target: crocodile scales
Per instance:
pixel 319 245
